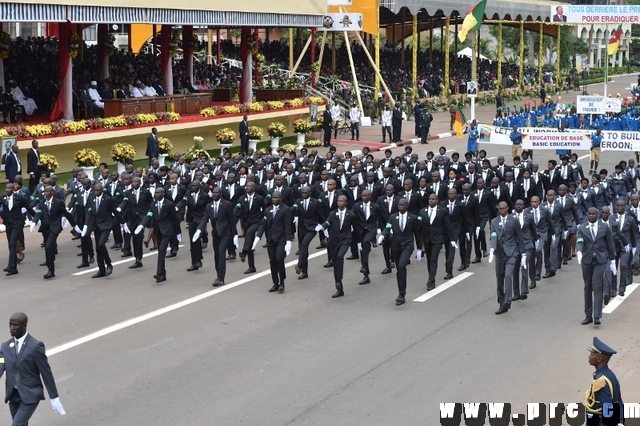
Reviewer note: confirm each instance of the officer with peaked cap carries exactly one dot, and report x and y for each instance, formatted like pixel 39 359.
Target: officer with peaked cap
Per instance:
pixel 603 400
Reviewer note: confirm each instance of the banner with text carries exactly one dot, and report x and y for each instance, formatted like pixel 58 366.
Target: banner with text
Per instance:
pixel 594 14
pixel 597 105
pixel 556 140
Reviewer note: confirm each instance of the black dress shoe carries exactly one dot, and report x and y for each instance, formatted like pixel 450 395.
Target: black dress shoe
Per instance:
pixel 204 245
pixel 192 268
pixel 328 265
pixel 549 274
pixel 49 275
pixel 524 297
pixel 243 256
pixel 607 298
pixel 303 276
pixel 92 259
pixel 392 265
pixel 448 276
pixel 161 278
pixel 501 310
pixel 485 254
pixel 621 293
pixel 476 260
pixel 596 321
pixel 136 265
pixel 83 265
pixel 231 257
pixel 352 257
pixel 217 283
pixel 430 285
pixel 462 267
pixel 274 288
pixel 322 245
pixel 172 254
pixel 514 298
pixel 6 269
pixel 108 270
pixel 587 320
pixel 116 246
pixel 297 253
pixel 365 280
pixel 98 274
pixel 12 272
pixel 338 293
pixel 250 271
pixel 127 254
pixel 386 271
pixel 532 285
pixel 537 277
pixel 43 264
pixel 400 300
pixel 199 264
pixel 281 288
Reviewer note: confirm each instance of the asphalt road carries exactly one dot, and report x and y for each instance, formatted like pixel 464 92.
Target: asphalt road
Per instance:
pixel 128 351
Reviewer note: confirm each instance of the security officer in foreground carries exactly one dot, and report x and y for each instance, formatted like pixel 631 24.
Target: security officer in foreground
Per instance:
pixel 603 401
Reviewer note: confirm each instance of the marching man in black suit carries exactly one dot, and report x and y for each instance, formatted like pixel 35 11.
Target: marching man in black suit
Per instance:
pixel 368 219
pixel 223 231
pixel 277 224
pixel 436 231
pixel 33 166
pixel 595 252
pixel 196 201
pixel 101 214
pixel 401 229
pixel 165 225
pixel 308 213
pixel 11 205
pixel 152 145
pixel 135 205
pixel 339 223
pixel 249 209
pixel 50 214
pixel 24 359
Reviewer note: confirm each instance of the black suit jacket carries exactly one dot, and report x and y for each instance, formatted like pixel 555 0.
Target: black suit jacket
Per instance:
pixel 249 216
pixel 165 221
pixel 224 224
pixel 152 147
pixel 195 209
pixel 338 235
pixel 309 218
pixel 278 226
pixel 102 219
pixel 32 163
pixel 27 370
pixel 51 221
pixel 438 232
pixel 598 251
pixel 457 219
pixel 402 239
pixel 134 211
pixel 14 218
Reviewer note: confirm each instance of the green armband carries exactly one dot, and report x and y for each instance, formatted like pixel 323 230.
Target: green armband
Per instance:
pixel 150 214
pixel 494 234
pixel 125 199
pixel 264 217
pixel 239 205
pixel 268 195
pixel 580 240
pixel 420 218
pixel 320 200
pixel 38 211
pixel 89 209
pixel 389 226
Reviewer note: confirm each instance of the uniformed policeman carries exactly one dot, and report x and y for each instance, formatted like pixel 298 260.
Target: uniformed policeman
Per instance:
pixel 603 401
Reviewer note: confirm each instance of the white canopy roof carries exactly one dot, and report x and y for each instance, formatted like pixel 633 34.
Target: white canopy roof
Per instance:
pixel 468 53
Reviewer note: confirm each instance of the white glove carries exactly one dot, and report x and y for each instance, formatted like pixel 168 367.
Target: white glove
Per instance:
pixel 326 233
pixel 468 236
pixel 69 209
pixel 633 251
pixel 32 227
pixel 77 229
pixel 612 267
pixel 126 229
pixel 319 227
pixel 23 210
pixel 138 229
pixel 177 208
pixel 477 231
pixel 379 231
pixel 287 248
pixel 235 241
pixel 419 255
pixel 65 223
pixel 553 239
pixel 359 246
pixel 454 244
pixel 256 240
pixel 84 231
pixel 627 248
pixel 196 236
pixel 537 245
pixel 179 238
pixel 524 261
pixel 55 404
pixel 295 220
pixel 119 210
pixel 380 239
pixel 491 255
pixel 565 234
pixel 579 257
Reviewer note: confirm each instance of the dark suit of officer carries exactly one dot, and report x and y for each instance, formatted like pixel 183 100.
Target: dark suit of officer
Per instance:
pixel 100 219
pixel 365 228
pixel 166 225
pixel 50 213
pixel 309 214
pixel 529 237
pixel 223 229
pixel 13 219
pixel 277 222
pixel 249 210
pixel 135 205
pixel 551 249
pixel 508 244
pixel 388 207
pixel 196 204
pixel 402 243
pixel 436 231
pixel 339 239
pixel 79 207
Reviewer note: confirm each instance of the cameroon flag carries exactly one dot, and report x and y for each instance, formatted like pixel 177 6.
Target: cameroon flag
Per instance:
pixel 472 21
pixel 460 122
pixel 612 49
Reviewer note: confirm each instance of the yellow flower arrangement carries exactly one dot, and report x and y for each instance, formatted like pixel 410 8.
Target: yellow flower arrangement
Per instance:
pixel 275 104
pixel 225 136
pixel 174 43
pixel 75 45
pixel 3 133
pixel 146 118
pixel 301 126
pixel 48 162
pixel 315 67
pixel 111 122
pixel 297 102
pixel 255 132
pixel 256 107
pixel 208 112
pixel 164 145
pixel 75 126
pixel 87 157
pixel 316 99
pixel 289 147
pixel 276 130
pixel 231 109
pixel 5 45
pixel 173 116
pixel 37 130
pixel 122 152
pixel 109 47
pixel 313 143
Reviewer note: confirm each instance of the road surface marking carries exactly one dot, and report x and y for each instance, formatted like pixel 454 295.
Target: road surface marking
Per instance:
pixel 133 321
pixel 617 301
pixel 119 262
pixel 428 295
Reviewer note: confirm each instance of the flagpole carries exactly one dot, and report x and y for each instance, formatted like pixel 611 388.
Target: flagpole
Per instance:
pixel 606 72
pixel 474 72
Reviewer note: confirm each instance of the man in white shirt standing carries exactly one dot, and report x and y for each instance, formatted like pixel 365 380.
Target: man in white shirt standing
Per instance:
pixel 336 115
pixel 354 116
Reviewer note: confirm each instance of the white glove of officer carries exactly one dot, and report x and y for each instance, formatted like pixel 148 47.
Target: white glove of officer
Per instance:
pixel 138 229
pixel 84 231
pixel 612 267
pixel 454 244
pixel 235 241
pixel 64 222
pixel 491 255
pixel 468 236
pixel 32 227
pixel 579 257
pixel 627 248
pixel 523 262
pixel 553 239
pixel 477 231
pixel 287 248
pixel 57 406
pixel 23 210
pixel 326 233
pixel 295 220
pixel 196 236
pixel 359 246
pixel 319 227
pixel 380 239
pixel 419 255
pixel 256 240
pixel 565 234
pixel 179 238
pixel 537 245
pixel 633 251
pixel 77 229
pixel 126 229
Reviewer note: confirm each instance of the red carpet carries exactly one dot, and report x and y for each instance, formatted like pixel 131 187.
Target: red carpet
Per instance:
pixel 371 145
